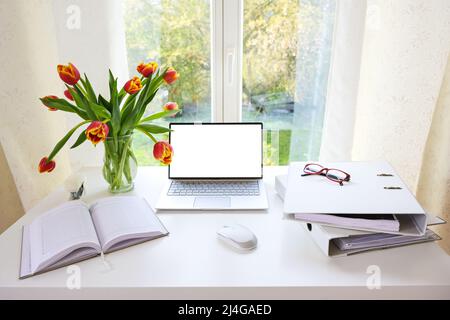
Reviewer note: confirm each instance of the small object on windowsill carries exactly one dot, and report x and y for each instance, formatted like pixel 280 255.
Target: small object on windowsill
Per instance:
pixel 76 186
pixel 76 195
pixel 385 175
pixel 393 188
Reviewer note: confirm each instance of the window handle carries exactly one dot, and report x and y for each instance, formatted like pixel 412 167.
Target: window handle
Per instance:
pixel 231 65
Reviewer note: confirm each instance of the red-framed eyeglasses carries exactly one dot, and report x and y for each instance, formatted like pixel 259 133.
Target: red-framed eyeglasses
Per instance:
pixel 335 175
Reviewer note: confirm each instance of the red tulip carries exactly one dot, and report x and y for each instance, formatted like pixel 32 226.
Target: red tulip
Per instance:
pixel 50 108
pixel 163 152
pixel 46 166
pixel 69 74
pixel 171 75
pixel 132 86
pixel 68 95
pixel 97 132
pixel 147 69
pixel 170 106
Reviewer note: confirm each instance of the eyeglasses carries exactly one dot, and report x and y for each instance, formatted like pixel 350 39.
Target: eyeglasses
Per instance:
pixel 335 175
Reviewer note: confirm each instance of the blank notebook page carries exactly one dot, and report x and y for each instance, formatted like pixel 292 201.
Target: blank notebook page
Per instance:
pixel 118 216
pixel 59 229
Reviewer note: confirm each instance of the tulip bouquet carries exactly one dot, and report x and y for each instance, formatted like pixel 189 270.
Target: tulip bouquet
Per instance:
pixel 114 121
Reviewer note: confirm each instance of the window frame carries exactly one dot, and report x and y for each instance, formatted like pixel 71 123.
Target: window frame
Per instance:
pixel 227 22
pixel 348 34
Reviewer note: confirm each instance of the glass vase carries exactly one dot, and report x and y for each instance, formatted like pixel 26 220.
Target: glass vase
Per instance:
pixel 120 164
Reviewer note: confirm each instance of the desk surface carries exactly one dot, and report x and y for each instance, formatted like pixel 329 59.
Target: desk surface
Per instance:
pixel 192 263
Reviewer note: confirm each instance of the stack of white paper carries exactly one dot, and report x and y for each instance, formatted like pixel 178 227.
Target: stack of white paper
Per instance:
pixel 384 222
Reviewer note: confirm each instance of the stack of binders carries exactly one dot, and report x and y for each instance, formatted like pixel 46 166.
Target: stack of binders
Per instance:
pixel 374 210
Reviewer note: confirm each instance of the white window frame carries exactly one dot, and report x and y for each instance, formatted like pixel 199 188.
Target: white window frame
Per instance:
pixel 227 19
pixel 217 60
pixel 227 54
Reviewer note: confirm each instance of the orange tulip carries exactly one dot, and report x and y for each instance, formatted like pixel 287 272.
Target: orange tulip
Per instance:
pixel 97 132
pixel 163 152
pixel 171 76
pixel 170 106
pixel 69 74
pixel 50 108
pixel 133 86
pixel 68 95
pixel 46 166
pixel 147 69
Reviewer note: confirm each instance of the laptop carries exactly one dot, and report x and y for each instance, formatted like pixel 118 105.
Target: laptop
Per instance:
pixel 216 166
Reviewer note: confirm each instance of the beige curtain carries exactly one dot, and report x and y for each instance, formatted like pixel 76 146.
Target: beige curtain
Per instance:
pixel 433 190
pixel 403 104
pixel 11 206
pixel 28 59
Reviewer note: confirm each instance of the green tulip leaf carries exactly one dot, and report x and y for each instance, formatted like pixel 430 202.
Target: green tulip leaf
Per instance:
pixel 100 111
pixel 59 104
pixel 115 114
pixel 81 101
pixel 153 128
pixel 159 115
pixel 64 105
pixel 121 95
pixel 104 103
pixel 89 90
pixel 125 112
pixel 64 140
pixel 81 138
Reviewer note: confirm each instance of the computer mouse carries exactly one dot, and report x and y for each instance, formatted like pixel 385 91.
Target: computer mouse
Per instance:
pixel 238 236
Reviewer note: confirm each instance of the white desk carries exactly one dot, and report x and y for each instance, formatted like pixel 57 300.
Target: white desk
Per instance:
pixel 191 263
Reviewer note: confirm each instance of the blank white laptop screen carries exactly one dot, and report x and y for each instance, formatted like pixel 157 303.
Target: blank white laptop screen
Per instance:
pixel 216 150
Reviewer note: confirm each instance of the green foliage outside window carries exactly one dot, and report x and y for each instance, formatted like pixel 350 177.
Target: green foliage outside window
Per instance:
pixel 178 33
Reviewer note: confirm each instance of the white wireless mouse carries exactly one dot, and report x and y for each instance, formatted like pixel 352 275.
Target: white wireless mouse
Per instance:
pixel 238 237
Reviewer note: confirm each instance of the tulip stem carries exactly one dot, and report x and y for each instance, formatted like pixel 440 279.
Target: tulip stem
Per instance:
pixel 119 164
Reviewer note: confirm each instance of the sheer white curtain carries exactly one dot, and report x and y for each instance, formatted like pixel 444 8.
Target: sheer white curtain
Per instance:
pixel 91 35
pixel 337 136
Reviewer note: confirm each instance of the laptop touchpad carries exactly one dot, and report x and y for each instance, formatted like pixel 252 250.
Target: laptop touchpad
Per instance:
pixel 212 202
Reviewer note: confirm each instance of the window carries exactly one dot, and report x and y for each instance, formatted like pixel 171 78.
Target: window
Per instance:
pixel 286 55
pixel 270 62
pixel 176 33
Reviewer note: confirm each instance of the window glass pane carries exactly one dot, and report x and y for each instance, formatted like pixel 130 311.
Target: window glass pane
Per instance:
pixel 176 33
pixel 286 59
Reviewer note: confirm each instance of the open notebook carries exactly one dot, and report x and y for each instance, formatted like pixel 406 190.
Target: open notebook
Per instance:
pixel 74 231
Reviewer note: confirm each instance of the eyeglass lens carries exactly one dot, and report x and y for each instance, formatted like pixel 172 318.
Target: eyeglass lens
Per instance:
pixel 313 168
pixel 336 175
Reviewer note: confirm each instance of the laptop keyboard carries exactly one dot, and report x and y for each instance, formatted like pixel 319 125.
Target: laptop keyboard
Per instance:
pixel 213 188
